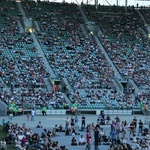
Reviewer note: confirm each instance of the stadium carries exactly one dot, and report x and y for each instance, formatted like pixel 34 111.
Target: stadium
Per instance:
pixel 70 59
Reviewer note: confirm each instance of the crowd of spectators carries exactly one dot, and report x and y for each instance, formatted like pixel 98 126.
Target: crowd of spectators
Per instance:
pixel 124 41
pixel 23 137
pixel 32 98
pixel 146 13
pixel 121 133
pixel 71 54
pixel 143 99
pixel 21 66
pixel 103 98
pixel 82 62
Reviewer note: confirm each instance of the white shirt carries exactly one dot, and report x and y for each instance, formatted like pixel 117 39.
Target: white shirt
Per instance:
pixel 33 112
pixel 81 140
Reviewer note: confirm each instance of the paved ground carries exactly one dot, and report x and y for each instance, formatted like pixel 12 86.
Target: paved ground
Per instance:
pixel 49 122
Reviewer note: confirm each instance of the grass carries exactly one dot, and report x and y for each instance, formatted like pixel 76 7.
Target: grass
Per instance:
pixel 2 135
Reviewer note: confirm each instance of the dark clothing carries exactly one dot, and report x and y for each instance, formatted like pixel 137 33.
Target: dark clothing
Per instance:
pixel 96 136
pixel 72 121
pixel 135 122
pixel 73 141
pixel 83 122
pixel 140 127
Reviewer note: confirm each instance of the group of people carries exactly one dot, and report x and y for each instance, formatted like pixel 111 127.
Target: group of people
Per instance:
pixel 128 135
pixel 23 138
pixel 129 59
pixel 90 67
pixel 124 134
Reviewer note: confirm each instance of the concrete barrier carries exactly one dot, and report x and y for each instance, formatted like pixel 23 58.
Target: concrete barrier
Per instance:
pixel 115 112
pixel 52 112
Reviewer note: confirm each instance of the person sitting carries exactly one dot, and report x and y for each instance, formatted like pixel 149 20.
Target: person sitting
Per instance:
pixel 74 141
pixel 57 128
pixel 3 144
pixel 49 134
pixel 134 138
pixel 39 125
pixel 61 128
pixel 105 139
pixel 54 133
pixel 8 139
pixel 123 140
pixel 82 140
pixel 74 132
pixel 44 133
pixel 18 143
pixel 137 146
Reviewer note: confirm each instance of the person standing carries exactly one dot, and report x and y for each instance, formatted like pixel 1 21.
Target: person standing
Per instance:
pixel 132 128
pixel 88 140
pixel 32 114
pixel 96 137
pixel 76 123
pixel 113 135
pixel 28 116
pixel 140 127
pixel 135 123
pixel 11 116
pixel 83 122
pixel 72 121
pixel 67 122
pixel 44 111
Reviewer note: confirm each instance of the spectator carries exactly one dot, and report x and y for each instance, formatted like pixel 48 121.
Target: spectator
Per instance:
pixel 96 137
pixel 132 128
pixel 3 144
pixel 44 111
pixel 83 122
pixel 4 122
pixel 76 120
pixel 67 122
pixel 108 119
pixel 32 114
pixel 88 140
pixel 134 138
pixel 140 127
pixel 72 121
pixel 82 140
pixel 28 116
pixel 74 141
pixel 113 135
pixel 39 125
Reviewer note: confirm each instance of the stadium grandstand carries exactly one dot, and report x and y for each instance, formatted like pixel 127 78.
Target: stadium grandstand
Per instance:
pixel 61 58
pixel 66 56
